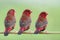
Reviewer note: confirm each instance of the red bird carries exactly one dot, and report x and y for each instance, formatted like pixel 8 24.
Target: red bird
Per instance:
pixel 25 21
pixel 9 21
pixel 41 22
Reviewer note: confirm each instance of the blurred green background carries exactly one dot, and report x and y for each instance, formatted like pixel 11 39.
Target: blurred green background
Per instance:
pixel 37 6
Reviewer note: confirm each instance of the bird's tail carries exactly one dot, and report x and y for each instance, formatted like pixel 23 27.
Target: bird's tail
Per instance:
pixel 22 29
pixel 7 30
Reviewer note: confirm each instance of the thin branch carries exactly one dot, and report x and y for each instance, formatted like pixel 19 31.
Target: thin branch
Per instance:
pixel 31 33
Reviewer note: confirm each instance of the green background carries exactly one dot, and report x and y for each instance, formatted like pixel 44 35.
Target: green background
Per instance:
pixel 37 6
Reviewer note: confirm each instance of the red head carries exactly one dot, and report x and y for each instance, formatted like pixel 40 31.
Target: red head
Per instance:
pixel 43 14
pixel 11 12
pixel 27 12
